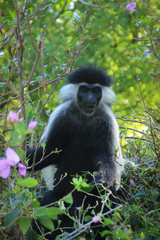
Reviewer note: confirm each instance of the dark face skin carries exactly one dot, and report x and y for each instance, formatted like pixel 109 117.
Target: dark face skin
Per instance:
pixel 88 97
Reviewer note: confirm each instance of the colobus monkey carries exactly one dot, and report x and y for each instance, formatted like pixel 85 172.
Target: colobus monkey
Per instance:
pixel 85 132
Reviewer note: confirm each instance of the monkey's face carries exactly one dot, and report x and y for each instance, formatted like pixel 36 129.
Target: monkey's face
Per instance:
pixel 88 97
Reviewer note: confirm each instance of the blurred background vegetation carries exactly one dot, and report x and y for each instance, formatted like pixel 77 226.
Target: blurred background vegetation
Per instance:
pixel 42 41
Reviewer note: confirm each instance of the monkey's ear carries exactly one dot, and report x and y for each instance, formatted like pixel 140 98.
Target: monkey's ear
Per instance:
pixel 68 92
pixel 108 95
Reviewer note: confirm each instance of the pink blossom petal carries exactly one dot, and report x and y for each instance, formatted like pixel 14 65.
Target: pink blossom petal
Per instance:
pixel 21 169
pixel 134 4
pixel 4 168
pixel 12 157
pixel 96 219
pixel 13 116
pixel 132 182
pixel 32 125
pixel 131 6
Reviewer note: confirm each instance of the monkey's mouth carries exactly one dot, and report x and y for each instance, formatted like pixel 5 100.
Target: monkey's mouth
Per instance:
pixel 89 108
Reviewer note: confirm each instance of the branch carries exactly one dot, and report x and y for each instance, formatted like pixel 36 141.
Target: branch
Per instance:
pixel 10 85
pixel 39 9
pixel 42 55
pixel 1 26
pixel 30 32
pixel 57 81
pixel 40 49
pixel 93 5
pixel 34 67
pixel 85 226
pixel 19 45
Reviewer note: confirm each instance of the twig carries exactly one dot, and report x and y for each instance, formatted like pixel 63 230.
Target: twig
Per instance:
pixel 39 9
pixel 57 81
pixel 34 67
pixel 132 120
pixel 30 32
pixel 19 46
pixel 85 226
pixel 93 5
pixel 154 50
pixel 42 55
pixel 1 26
pixel 6 39
pixel 135 130
pixel 140 88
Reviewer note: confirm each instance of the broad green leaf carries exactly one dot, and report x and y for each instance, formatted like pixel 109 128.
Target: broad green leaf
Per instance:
pixel 107 221
pixel 106 232
pixel 122 234
pixel 87 218
pixel 10 219
pixel 50 212
pixel 28 182
pixel 68 199
pixel 24 224
pixel 46 222
pixel 32 235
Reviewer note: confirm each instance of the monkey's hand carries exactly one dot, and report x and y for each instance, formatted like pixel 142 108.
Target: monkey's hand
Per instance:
pixel 107 175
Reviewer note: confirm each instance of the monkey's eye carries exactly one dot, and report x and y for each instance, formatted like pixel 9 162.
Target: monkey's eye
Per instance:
pixel 83 88
pixel 96 89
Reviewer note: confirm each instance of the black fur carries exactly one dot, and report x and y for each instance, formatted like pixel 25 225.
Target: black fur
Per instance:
pixel 90 75
pixel 86 144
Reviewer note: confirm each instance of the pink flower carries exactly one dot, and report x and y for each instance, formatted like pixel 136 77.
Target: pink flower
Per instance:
pixel 12 159
pixel 32 125
pixel 14 117
pixel 21 169
pixel 131 6
pixel 96 219
pixel 132 182
pixel 4 168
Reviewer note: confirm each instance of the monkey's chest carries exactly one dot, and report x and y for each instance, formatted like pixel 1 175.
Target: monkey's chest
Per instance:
pixel 84 150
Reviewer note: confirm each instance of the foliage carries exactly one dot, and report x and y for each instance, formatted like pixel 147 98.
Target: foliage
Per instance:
pixel 41 42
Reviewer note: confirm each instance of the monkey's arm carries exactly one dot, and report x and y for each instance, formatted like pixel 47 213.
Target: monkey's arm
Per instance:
pixel 117 154
pixel 54 138
pixel 110 166
pixel 41 158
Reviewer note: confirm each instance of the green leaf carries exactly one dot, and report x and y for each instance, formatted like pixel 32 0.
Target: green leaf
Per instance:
pixel 29 114
pixel 140 194
pixel 146 54
pixel 107 221
pixel 17 138
pixel 24 224
pixel 21 153
pixel 35 203
pixel 87 218
pixel 122 234
pixel 51 212
pixel 28 182
pixel 68 199
pixel 46 222
pixel 38 79
pixel 10 219
pixel 43 145
pixel 32 235
pixel 106 232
